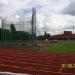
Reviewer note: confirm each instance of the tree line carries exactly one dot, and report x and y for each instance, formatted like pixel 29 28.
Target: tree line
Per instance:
pixel 13 35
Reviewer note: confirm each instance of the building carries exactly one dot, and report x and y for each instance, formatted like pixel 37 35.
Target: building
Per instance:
pixel 67 32
pixel 67 35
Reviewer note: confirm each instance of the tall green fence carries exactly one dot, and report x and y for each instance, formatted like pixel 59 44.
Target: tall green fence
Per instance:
pixel 18 30
pixel 15 31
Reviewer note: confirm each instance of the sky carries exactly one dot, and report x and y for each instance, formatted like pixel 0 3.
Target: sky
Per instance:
pixel 54 16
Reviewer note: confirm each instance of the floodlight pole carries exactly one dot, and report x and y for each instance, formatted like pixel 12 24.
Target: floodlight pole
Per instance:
pixel 73 27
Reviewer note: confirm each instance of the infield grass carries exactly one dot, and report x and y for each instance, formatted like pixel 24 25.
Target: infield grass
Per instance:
pixel 61 47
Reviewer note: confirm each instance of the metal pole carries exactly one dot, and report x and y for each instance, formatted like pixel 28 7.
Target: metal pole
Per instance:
pixel 2 23
pixel 73 27
pixel 34 26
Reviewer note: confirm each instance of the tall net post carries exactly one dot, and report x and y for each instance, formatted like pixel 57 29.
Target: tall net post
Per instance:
pixel 2 24
pixel 33 23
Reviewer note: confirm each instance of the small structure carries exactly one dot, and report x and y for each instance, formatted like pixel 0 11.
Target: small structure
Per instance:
pixel 67 32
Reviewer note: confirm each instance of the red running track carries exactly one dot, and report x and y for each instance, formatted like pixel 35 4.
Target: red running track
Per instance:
pixel 34 62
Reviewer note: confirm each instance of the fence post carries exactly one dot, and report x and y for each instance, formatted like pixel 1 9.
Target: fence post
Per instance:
pixel 2 23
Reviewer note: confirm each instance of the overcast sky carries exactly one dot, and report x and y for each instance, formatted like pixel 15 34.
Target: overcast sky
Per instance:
pixel 54 16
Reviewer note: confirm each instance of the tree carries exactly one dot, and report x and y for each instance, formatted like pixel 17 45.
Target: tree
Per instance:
pixel 12 28
pixel 13 31
pixel 46 35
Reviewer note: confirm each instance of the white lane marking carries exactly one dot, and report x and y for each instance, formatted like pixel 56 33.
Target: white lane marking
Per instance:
pixel 10 73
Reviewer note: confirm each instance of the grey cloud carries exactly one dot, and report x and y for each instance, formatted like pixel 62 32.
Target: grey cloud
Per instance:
pixel 70 9
pixel 71 27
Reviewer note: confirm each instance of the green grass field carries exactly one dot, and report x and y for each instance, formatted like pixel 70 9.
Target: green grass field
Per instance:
pixel 61 47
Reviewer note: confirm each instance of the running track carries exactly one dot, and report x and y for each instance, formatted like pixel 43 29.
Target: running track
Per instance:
pixel 35 63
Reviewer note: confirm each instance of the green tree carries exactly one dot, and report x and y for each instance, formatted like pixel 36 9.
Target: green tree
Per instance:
pixel 12 28
pixel 46 35
pixel 13 31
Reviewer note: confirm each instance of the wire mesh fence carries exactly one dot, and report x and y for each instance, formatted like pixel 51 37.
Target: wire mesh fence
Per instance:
pixel 17 31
